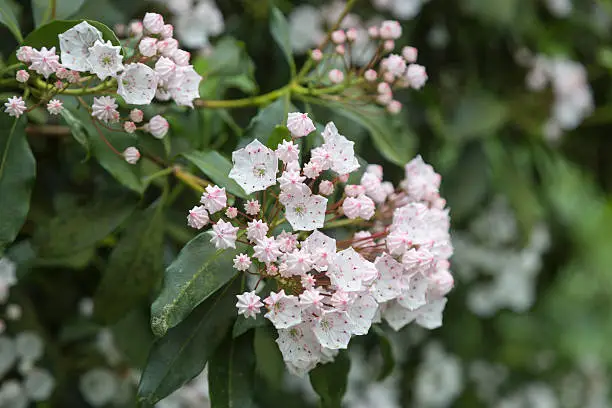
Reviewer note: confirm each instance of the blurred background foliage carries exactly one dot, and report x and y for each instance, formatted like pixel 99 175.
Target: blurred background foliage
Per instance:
pixel 529 322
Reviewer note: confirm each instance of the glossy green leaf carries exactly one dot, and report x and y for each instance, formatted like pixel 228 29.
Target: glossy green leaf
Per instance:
pixel 279 134
pixel 76 128
pixel 17 174
pixel 478 114
pixel 264 123
pixel 243 324
pixel 43 13
pixel 197 273
pixel 134 269
pixel 330 380
pixel 8 18
pixel 232 372
pixel 269 360
pixel 78 229
pixel 183 352
pixel 281 34
pixel 386 352
pixel 228 59
pixel 217 168
pixel 47 35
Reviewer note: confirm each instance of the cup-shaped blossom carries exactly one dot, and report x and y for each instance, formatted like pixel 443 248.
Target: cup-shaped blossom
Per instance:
pixel 105 59
pixel 306 212
pixel 104 108
pixel 255 167
pixel 299 124
pixel 341 150
pixel 137 84
pixel 184 86
pixel 75 45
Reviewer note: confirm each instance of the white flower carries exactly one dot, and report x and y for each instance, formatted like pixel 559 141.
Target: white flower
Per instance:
pixel 105 59
pixel 306 212
pixel 15 106
pixel 428 316
pixel 153 23
pixel 167 31
pixel 22 76
pixel 299 345
pixel 422 182
pixel 129 127
pixel 256 230
pixel 410 54
pixel 361 312
pixel 75 46
pixel 137 84
pixel 350 271
pixel 299 124
pixel 326 187
pixel 298 262
pixel 340 149
pixel 99 386
pixel 198 217
pixel 293 183
pixel 131 155
pixel 185 86
pixel 39 384
pixel 306 28
pixel 148 46
pixel 181 57
pixel 194 28
pixel 55 106
pixel 242 262
pixel 104 108
pixel 333 329
pixel 136 115
pixel 224 235
pixel 45 62
pixel 248 304
pixel 416 75
pixel 322 249
pixel 158 126
pixel 390 30
pixel 214 199
pixel 415 294
pixel 284 310
pixel 29 346
pixel 394 64
pixel 255 167
pixel 167 47
pixel 165 68
pixel 360 206
pixel 266 250
pixel 24 54
pixel 288 151
pixel 388 284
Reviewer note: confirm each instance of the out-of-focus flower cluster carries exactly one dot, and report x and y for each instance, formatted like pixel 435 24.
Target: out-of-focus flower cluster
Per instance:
pixel 395 268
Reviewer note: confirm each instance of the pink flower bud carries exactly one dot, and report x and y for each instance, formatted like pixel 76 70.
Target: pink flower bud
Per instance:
pixel 326 187
pixel 410 54
pixel 316 55
pixel 136 115
pixel 131 155
pixel 384 99
pixel 59 84
pixel 351 34
pixel 338 37
pixel 62 73
pixel 343 178
pixel 153 23
pixel 148 46
pixel 416 75
pixel 55 107
pixel 370 75
pixel 340 49
pixel 389 45
pixel 24 54
pixel 181 58
pixel 336 76
pixel 394 107
pixel 167 47
pixel 135 29
pixel 390 30
pixel 383 88
pixel 129 127
pixel 167 31
pixel 73 76
pixel 231 212
pixel 373 32
pixel 119 29
pixel 158 126
pixel 22 76
pixel 388 77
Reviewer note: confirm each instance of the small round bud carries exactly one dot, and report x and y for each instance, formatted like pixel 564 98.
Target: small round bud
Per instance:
pixel 55 106
pixel 167 31
pixel 131 155
pixel 394 107
pixel 167 47
pixel 416 75
pixel 22 76
pixel 148 46
pixel 384 99
pixel 351 34
pixel 119 29
pixel 336 76
pixel 158 126
pixel 59 84
pixel 326 187
pixel 316 55
pixel 370 75
pixel 231 212
pixel 390 30
pixel 389 45
pixel 181 57
pixel 135 29
pixel 153 23
pixel 343 178
pixel 62 73
pixel 129 127
pixel 373 32
pixel 73 76
pixel 383 88
pixel 340 49
pixel 388 77
pixel 410 54
pixel 136 115
pixel 338 37
pixel 24 54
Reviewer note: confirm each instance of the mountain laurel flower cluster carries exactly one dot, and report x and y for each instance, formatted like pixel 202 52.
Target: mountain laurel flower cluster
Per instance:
pixel 322 291
pixel 154 68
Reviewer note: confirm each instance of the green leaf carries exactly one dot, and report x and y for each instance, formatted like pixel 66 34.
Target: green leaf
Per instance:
pixel 394 140
pixel 229 59
pixel 232 372
pixel 329 380
pixel 197 273
pixel 279 134
pixel 77 129
pixel 217 168
pixel 8 18
pixel 17 174
pixel 264 123
pixel 269 360
pixel 183 352
pixel 281 34
pixel 386 352
pixel 244 324
pixel 479 114
pixel 134 269
pixel 78 229
pixel 42 9
pixel 47 35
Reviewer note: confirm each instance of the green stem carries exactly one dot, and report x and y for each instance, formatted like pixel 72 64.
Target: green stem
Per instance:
pixel 11 68
pixel 342 223
pixel 245 102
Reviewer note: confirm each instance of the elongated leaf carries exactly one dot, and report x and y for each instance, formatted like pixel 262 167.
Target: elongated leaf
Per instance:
pixel 77 230
pixel 47 35
pixel 269 360
pixel 17 174
pixel 279 134
pixel 217 168
pixel 264 123
pixel 394 140
pixel 76 128
pixel 183 352
pixel 329 381
pixel 7 17
pixel 197 273
pixel 134 269
pixel 63 9
pixel 244 324
pixel 281 34
pixel 231 373
pixel 387 353
pixel 479 114
pixel 229 59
